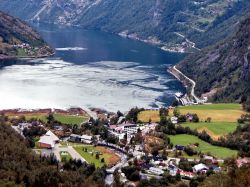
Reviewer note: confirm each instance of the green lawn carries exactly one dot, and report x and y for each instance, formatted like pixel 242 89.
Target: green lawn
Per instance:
pixel 110 158
pixel 63 118
pixel 218 128
pixel 88 156
pixel 65 156
pixel 204 147
pixel 42 117
pixel 68 119
pixel 21 52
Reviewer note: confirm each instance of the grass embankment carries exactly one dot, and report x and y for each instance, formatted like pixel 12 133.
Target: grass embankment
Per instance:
pixel 110 158
pixel 204 147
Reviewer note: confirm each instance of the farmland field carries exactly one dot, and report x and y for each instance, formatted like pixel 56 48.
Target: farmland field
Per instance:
pixel 204 147
pixel 218 112
pixel 214 129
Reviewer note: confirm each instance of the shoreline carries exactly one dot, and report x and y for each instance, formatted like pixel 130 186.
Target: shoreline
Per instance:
pixel 188 83
pixel 2 58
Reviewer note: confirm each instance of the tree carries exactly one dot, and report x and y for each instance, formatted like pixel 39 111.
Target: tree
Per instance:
pixel 176 112
pixel 195 118
pixel 97 156
pixel 163 112
pixel 50 118
pixel 209 119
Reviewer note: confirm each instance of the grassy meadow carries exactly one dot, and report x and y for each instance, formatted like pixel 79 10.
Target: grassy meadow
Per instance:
pixel 224 117
pixel 214 129
pixel 204 147
pixel 218 112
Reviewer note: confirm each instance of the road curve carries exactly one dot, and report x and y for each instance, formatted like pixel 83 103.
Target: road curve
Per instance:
pixel 192 82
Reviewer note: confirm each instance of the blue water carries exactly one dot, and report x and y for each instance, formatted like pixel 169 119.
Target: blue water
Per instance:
pixel 91 69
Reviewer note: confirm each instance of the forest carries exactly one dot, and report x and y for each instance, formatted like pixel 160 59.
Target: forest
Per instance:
pixel 20 166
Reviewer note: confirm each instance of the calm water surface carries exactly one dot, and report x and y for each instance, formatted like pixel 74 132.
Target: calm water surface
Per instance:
pixel 90 69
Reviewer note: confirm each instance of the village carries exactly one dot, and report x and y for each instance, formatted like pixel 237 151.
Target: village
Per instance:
pixel 130 149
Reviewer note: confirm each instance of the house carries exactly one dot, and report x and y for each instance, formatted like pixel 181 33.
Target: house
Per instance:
pixel 179 147
pixel 200 168
pixel 174 120
pixel 48 140
pixel 156 171
pixel 86 139
pixel 216 169
pixel 75 138
pixel 241 161
pixel 22 126
pixel 53 136
pixel 186 174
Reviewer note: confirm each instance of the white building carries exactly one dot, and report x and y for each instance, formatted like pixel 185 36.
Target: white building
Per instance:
pixel 200 168
pixel 130 129
pixel 86 139
pixel 174 120
pixel 156 171
pixel 48 140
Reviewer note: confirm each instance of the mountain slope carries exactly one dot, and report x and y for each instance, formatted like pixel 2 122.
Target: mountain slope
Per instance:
pixel 172 24
pixel 223 70
pixel 17 39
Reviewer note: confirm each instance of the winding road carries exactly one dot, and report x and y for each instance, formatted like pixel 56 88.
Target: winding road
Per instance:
pixel 192 82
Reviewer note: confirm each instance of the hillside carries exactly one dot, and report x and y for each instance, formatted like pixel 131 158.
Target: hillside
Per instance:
pixel 175 25
pixel 21 167
pixel 17 39
pixel 222 71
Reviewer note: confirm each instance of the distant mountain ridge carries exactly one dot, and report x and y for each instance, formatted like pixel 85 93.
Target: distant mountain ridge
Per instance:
pixel 17 39
pixel 174 25
pixel 222 71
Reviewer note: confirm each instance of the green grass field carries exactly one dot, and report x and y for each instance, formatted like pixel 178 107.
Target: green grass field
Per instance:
pixel 216 128
pixel 63 118
pixel 67 119
pixel 218 112
pixel 65 156
pixel 221 106
pixel 109 158
pixel 204 147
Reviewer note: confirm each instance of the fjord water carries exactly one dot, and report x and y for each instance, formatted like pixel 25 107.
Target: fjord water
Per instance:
pixel 90 69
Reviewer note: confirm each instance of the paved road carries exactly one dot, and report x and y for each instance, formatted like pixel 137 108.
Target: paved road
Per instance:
pixel 192 82
pixel 73 153
pixel 91 113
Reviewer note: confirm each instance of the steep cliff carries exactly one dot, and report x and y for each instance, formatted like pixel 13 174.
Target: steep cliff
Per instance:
pixel 175 25
pixel 223 70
